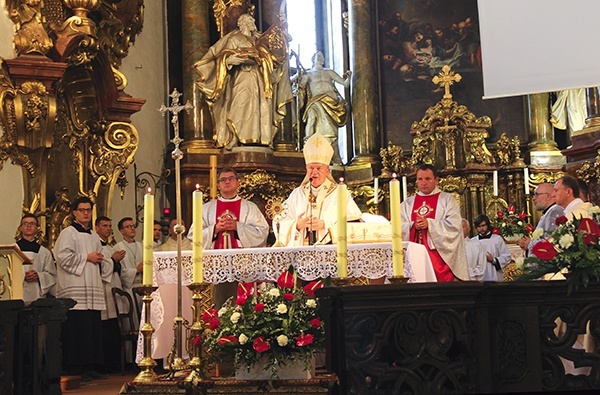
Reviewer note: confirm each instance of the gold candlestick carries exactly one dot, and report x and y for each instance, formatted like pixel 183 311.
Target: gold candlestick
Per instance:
pixel 201 301
pixel 147 364
pixel 398 280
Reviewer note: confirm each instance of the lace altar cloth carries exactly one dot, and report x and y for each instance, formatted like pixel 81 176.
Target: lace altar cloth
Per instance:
pixel 372 260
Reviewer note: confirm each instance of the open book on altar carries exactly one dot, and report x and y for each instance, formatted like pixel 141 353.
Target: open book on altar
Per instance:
pixel 373 229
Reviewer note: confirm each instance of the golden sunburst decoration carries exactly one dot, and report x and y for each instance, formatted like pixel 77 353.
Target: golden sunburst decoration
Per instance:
pixel 274 208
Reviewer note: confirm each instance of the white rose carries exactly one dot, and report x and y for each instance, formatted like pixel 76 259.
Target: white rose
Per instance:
pixel 243 339
pixel 537 233
pixel 235 317
pixel 520 263
pixel 566 240
pixel 594 210
pixel 274 292
pixel 222 311
pixel 281 308
pixel 311 303
pixel 282 340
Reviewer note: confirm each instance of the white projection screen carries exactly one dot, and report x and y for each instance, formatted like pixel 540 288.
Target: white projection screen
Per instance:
pixel 534 46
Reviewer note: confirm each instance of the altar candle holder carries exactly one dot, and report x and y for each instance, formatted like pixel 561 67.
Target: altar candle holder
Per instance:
pixel 201 301
pixel 344 282
pixel 147 364
pixel 398 280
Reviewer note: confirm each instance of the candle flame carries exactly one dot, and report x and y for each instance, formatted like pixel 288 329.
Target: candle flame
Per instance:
pixel 149 190
pixel 197 187
pixel 341 180
pixel 394 175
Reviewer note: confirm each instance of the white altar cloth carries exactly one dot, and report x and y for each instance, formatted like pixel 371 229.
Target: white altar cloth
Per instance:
pixel 372 260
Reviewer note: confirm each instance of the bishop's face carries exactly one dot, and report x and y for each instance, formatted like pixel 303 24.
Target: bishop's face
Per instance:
pixel 317 172
pixel 426 181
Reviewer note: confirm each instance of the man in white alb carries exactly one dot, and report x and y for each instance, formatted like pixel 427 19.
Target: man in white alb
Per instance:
pixel 132 264
pixel 230 222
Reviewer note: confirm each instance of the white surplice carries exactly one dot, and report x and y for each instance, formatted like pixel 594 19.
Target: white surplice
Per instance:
pixel 44 265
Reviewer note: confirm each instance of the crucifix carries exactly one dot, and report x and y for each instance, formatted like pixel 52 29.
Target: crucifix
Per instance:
pixel 445 79
pixel 176 362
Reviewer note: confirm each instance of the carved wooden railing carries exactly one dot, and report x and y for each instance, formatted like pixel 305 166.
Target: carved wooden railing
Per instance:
pixel 462 337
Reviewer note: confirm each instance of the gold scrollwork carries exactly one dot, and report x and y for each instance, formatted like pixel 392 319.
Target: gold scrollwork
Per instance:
pixel 264 184
pixel 589 170
pixel 393 159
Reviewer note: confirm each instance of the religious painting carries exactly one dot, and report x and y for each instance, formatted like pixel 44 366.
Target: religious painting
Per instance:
pixel 416 39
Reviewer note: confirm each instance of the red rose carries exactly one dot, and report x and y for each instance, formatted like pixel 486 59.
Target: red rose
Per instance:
pixel 315 323
pixel 529 228
pixel 496 231
pixel 214 323
pixel 310 288
pixel 259 307
pixel 286 280
pixel 522 215
pixel 260 345
pixel 544 250
pixel 226 340
pixel 288 296
pixel 304 340
pixel 209 315
pixel 196 341
pixel 511 209
pixel 561 220
pixel 500 214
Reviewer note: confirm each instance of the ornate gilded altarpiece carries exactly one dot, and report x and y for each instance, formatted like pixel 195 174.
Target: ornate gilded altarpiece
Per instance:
pixel 64 113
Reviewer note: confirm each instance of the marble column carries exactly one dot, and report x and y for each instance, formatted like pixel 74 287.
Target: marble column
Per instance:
pixel 197 130
pixel 365 108
pixel 544 150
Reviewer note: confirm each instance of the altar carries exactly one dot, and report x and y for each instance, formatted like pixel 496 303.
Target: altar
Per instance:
pixel 371 261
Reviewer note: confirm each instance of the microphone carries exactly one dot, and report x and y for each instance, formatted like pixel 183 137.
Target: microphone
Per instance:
pixel 312 234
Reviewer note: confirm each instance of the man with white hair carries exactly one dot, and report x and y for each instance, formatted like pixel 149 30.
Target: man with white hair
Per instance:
pixel 312 207
pixel 544 201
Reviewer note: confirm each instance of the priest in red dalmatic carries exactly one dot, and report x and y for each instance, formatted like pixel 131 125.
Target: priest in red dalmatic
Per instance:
pixel 433 218
pixel 230 222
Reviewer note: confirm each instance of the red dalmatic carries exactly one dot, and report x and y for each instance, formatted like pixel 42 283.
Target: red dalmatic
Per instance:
pixel 425 206
pixel 227 239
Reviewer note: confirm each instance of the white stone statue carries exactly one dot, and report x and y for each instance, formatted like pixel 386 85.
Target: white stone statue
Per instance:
pixel 245 78
pixel 325 111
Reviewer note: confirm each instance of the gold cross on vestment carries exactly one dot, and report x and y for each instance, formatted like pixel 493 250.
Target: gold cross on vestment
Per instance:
pixel 445 79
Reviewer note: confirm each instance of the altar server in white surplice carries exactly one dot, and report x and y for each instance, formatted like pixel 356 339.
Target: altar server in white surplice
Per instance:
pixel 313 205
pixel 38 278
pixel 476 254
pixel 498 256
pixel 230 222
pixel 80 269
pixel 132 263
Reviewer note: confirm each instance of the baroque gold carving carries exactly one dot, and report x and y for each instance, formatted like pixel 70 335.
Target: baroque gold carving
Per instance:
pixel 264 185
pixel 121 22
pixel 30 36
pixel 224 11
pixel 444 125
pixel 28 118
pixel 508 151
pixel 393 160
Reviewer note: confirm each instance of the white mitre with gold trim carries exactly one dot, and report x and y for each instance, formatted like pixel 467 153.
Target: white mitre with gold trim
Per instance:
pixel 317 149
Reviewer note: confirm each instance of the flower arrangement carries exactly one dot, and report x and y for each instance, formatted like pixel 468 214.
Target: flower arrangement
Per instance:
pixel 279 322
pixel 573 247
pixel 510 223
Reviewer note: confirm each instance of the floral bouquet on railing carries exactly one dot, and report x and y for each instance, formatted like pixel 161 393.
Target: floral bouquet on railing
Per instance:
pixel 508 223
pixel 279 322
pixel 572 249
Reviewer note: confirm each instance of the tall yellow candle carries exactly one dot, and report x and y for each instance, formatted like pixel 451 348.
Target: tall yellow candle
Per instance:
pixel 396 218
pixel 213 176
pixel 342 246
pixel 148 256
pixel 197 236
